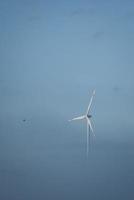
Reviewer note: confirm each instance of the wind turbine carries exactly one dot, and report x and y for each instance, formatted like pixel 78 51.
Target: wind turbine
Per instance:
pixel 87 117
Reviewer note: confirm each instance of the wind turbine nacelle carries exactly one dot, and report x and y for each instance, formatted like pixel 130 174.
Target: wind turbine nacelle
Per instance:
pixel 89 116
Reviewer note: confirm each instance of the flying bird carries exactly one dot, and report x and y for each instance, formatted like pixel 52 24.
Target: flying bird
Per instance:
pixel 87 117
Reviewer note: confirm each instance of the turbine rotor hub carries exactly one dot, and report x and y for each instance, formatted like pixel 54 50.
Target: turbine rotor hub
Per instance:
pixel 89 116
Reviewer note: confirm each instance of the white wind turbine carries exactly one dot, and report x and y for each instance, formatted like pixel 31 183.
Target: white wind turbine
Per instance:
pixel 87 117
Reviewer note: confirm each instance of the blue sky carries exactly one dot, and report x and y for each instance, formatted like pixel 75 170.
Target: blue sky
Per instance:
pixel 53 54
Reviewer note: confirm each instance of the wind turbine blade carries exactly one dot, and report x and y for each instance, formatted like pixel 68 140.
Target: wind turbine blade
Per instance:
pixel 90 125
pixel 78 118
pixel 88 135
pixel 90 102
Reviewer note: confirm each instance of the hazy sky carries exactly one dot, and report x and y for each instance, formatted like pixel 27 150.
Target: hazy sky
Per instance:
pixel 53 54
